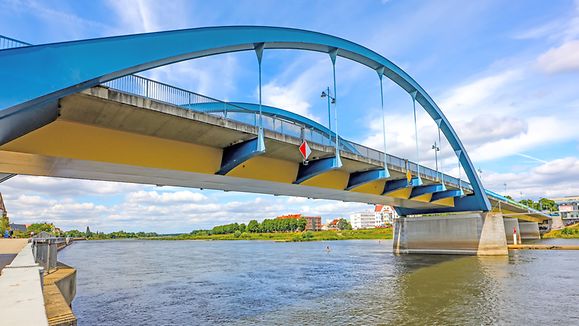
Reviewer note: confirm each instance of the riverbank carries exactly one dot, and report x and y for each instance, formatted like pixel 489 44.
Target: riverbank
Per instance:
pixel 570 232
pixel 368 234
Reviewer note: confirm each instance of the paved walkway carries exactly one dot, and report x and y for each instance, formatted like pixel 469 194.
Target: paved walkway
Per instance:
pixel 12 246
pixel 9 248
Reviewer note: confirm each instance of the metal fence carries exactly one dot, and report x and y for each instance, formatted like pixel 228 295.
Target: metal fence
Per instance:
pixel 8 43
pixel 45 251
pixel 158 91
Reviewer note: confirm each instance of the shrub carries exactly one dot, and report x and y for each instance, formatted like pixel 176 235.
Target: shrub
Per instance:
pixel 237 234
pixel 307 235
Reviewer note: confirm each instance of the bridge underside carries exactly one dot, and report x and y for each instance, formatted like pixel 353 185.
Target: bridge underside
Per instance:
pixel 102 134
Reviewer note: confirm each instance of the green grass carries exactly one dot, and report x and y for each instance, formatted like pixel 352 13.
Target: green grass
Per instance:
pixel 368 234
pixel 570 232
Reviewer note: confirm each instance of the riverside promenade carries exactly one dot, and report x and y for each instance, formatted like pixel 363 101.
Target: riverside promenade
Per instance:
pixel 21 295
pixel 31 294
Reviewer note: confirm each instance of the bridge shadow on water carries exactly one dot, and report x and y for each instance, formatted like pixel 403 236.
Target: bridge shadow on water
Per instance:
pixel 434 289
pixel 414 290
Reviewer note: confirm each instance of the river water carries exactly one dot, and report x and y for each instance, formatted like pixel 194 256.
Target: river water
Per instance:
pixel 357 282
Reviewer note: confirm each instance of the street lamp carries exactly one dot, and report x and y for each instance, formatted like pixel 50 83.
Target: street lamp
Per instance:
pixel 331 100
pixel 436 150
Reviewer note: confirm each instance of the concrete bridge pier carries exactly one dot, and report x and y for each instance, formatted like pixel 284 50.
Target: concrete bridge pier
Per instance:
pixel 529 230
pixel 464 234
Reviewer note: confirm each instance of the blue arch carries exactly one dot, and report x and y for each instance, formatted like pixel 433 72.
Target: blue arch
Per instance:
pixel 34 78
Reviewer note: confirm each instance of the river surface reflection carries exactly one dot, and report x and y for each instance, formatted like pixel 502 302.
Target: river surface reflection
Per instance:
pixel 356 282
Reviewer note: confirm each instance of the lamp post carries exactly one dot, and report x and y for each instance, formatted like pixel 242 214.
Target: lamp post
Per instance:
pixel 331 100
pixel 436 150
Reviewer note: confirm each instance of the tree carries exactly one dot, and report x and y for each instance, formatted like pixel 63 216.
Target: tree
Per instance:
pixel 39 227
pixel 301 225
pixel 74 234
pixel 343 224
pixel 548 204
pixel 87 233
pixel 4 224
pixel 253 226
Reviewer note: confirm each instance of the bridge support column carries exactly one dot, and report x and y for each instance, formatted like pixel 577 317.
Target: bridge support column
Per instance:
pixel 556 223
pixel 464 234
pixel 529 230
pixel 510 225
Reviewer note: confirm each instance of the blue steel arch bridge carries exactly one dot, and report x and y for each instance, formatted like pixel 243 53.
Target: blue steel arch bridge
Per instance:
pixel 79 110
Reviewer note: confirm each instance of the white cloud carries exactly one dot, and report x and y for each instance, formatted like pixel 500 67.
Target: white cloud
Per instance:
pixel 560 59
pixel 546 30
pixel 294 95
pixel 559 177
pixel 71 25
pixel 167 209
pixel 165 198
pixel 64 187
pixel 468 97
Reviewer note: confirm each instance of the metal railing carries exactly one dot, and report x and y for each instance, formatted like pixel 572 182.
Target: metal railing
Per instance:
pixel 145 87
pixel 9 43
pixel 45 252
pixel 162 92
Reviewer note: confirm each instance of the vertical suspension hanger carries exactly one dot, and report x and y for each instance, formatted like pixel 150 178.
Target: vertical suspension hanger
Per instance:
pixel 413 95
pixel 380 72
pixel 439 124
pixel 258 47
pixel 458 154
pixel 333 54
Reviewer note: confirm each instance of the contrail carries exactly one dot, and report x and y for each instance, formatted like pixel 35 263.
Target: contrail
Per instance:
pixel 531 157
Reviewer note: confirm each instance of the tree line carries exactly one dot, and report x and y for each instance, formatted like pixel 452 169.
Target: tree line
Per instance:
pixel 542 204
pixel 266 226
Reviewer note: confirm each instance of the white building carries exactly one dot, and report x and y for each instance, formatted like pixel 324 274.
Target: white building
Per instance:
pixel 568 208
pixel 365 220
pixel 384 215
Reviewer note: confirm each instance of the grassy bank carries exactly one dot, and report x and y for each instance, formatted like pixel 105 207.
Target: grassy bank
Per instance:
pixel 570 232
pixel 369 234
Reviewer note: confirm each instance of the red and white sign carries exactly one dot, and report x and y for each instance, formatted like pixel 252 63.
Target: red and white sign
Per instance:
pixel 305 150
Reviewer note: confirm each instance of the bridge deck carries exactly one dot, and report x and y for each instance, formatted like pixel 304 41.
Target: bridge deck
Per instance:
pixel 105 134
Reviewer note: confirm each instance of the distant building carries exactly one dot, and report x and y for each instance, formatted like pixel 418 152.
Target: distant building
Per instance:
pixel 313 223
pixel 384 215
pixel 3 212
pixel 331 225
pixel 18 227
pixel 568 208
pixel 364 220
pixel 294 216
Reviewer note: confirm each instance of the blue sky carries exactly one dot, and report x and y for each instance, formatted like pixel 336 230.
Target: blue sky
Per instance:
pixel 506 74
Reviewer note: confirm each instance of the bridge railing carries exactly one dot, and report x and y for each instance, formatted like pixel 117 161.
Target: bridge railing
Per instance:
pixel 9 43
pixel 158 91
pixel 145 87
